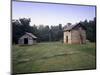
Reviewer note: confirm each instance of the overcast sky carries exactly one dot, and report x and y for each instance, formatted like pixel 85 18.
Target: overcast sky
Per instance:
pixel 52 14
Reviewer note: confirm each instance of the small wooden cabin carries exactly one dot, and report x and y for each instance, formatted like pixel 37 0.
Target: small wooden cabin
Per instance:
pixel 75 34
pixel 27 39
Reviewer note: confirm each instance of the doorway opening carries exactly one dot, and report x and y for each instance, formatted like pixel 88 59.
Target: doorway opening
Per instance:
pixel 25 40
pixel 66 39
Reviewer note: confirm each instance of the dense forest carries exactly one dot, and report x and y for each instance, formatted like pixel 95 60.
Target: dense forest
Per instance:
pixel 48 33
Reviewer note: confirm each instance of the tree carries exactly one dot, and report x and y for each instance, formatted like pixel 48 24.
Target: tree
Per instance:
pixel 46 33
pixel 20 27
pixel 90 29
pixel 69 24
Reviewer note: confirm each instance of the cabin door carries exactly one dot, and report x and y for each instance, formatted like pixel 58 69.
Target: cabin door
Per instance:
pixel 66 39
pixel 25 40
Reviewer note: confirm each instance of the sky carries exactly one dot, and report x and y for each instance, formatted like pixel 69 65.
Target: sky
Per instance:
pixel 52 14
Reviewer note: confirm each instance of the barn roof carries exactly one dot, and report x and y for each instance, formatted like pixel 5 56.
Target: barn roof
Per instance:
pixel 30 34
pixel 73 26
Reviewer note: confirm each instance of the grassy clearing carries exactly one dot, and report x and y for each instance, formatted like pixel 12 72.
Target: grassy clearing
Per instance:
pixel 53 56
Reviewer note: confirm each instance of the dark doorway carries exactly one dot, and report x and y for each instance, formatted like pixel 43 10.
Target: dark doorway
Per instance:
pixel 66 39
pixel 25 40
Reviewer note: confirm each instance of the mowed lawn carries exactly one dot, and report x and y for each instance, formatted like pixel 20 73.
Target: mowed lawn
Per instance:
pixel 53 56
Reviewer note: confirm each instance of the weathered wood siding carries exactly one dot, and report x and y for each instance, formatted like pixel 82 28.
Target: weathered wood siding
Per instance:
pixel 75 36
pixel 83 34
pixel 67 34
pixel 30 40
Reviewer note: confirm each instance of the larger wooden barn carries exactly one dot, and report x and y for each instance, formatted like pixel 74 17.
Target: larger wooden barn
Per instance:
pixel 27 39
pixel 75 34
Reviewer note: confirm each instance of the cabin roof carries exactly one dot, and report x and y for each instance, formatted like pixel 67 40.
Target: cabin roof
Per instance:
pixel 74 26
pixel 30 34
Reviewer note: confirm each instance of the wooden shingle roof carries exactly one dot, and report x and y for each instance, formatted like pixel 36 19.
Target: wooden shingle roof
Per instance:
pixel 30 34
pixel 74 26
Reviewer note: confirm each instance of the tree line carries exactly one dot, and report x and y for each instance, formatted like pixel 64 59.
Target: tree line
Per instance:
pixel 46 32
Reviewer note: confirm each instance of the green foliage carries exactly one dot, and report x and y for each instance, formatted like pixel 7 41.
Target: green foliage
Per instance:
pixel 90 29
pixel 19 27
pixel 47 33
pixel 44 33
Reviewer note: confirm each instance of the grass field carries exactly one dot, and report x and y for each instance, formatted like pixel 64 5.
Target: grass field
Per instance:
pixel 53 56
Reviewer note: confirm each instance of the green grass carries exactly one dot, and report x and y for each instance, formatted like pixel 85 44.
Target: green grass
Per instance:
pixel 53 56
